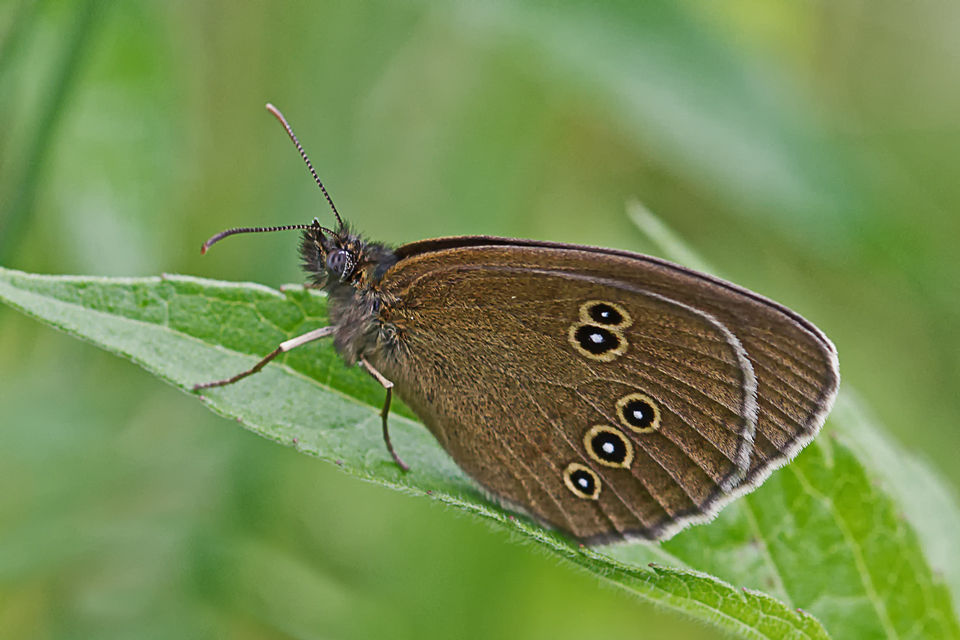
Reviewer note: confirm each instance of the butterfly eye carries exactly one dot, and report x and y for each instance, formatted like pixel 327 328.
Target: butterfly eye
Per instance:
pixel 339 262
pixel 607 314
pixel 639 412
pixel 608 446
pixel 582 481
pixel 596 342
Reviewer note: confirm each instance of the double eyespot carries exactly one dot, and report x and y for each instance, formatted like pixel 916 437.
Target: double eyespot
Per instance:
pixel 609 446
pixel 598 335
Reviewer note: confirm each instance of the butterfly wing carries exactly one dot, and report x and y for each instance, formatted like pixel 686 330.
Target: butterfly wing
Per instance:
pixel 795 364
pixel 575 386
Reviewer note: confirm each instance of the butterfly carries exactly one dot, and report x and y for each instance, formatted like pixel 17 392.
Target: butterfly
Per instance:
pixel 607 394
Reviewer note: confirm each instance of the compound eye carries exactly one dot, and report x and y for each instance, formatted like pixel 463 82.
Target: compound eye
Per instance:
pixel 338 261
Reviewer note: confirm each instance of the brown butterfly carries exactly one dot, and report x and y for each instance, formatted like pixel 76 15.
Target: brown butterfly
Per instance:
pixel 605 393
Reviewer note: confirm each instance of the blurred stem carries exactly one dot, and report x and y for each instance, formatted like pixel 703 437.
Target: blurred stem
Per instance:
pixel 14 215
pixel 10 45
pixel 666 239
pixel 20 25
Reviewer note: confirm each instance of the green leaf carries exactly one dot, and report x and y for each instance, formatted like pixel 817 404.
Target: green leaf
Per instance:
pixel 819 536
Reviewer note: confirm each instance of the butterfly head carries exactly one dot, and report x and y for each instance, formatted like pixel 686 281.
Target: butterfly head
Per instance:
pixel 333 259
pixel 342 257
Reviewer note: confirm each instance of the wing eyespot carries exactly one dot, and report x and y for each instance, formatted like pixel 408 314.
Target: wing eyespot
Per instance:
pixel 596 342
pixel 582 481
pixel 638 412
pixel 608 446
pixel 606 314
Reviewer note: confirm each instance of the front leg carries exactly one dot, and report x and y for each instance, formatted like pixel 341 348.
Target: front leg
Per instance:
pixel 386 410
pixel 292 343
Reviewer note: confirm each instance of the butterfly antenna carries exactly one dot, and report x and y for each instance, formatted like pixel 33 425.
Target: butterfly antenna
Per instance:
pixel 303 154
pixel 229 232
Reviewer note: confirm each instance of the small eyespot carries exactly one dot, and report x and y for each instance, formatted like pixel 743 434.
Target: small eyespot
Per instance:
pixel 608 446
pixel 582 481
pixel 607 314
pixel 338 262
pixel 596 342
pixel 638 412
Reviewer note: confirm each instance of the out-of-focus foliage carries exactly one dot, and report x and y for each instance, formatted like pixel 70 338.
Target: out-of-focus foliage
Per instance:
pixel 808 149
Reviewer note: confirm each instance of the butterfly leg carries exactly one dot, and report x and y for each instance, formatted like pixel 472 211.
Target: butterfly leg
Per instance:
pixel 386 410
pixel 292 343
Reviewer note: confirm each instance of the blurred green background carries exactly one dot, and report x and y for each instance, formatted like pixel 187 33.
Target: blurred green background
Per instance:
pixel 810 150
